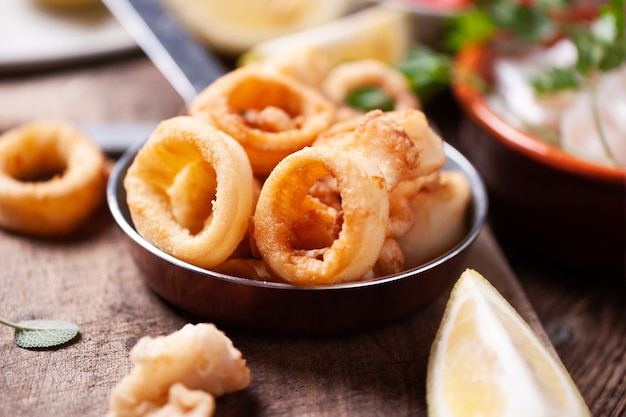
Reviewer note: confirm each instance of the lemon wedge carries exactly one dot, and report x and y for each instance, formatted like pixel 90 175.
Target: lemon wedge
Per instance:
pixel 376 32
pixel 486 361
pixel 233 26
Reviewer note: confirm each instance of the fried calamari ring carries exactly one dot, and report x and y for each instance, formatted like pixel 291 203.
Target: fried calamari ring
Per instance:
pixel 415 124
pixel 270 114
pixel 52 178
pixel 190 191
pixel 388 145
pixel 349 76
pixel 397 151
pixel 364 212
pixel 382 140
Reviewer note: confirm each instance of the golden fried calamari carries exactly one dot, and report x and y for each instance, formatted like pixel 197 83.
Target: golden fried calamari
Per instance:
pixel 190 191
pixel 271 115
pixel 365 209
pixel 183 371
pixel 413 123
pixel 52 178
pixel 184 402
pixel 432 154
pixel 304 231
pixel 336 193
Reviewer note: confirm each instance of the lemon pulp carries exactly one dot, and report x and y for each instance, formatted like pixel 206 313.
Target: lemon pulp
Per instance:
pixel 486 361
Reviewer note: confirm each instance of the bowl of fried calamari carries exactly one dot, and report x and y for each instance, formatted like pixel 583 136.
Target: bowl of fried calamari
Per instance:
pixel 547 133
pixel 272 207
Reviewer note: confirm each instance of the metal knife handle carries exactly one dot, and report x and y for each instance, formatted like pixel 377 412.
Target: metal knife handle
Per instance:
pixel 185 62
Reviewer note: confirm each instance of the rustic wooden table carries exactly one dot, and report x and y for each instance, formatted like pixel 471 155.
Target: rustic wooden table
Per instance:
pixel 91 280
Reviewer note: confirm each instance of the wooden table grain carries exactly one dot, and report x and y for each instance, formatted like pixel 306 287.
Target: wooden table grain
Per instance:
pixel 90 279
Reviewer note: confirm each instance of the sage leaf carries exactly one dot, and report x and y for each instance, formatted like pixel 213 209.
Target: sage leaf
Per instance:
pixel 40 334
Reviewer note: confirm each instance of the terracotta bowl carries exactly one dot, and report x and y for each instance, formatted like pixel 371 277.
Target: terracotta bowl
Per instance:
pixel 558 206
pixel 287 309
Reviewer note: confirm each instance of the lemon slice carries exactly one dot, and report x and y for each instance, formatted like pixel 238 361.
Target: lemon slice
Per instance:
pixel 486 361
pixel 376 32
pixel 233 26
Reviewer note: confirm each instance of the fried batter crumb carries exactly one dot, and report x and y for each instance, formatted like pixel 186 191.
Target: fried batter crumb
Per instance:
pixel 179 374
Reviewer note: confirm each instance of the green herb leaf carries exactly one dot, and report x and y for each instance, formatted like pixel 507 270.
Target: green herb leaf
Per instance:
pixel 598 48
pixel 40 334
pixel 427 71
pixel 471 26
pixel 44 333
pixel 528 23
pixel 556 79
pixel 369 98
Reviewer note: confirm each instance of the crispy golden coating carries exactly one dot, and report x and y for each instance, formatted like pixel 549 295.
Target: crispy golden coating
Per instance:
pixel 410 155
pixel 52 178
pixel 270 114
pixel 199 357
pixel 285 196
pixel 414 124
pixel 190 191
pixel 432 155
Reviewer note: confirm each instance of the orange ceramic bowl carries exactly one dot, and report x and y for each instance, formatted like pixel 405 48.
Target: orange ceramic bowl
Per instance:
pixel 281 308
pixel 556 205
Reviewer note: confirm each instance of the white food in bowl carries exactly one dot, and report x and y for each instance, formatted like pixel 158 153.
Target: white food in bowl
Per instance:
pixel 578 133
pixel 567 115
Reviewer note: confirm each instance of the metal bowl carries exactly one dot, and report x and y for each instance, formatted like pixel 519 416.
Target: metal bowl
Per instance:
pixel 280 308
pixel 561 208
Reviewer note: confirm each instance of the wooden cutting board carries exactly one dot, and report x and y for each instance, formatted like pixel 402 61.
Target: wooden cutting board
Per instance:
pixel 91 280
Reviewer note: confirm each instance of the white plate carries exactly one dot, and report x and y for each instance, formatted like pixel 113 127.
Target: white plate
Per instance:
pixel 33 37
